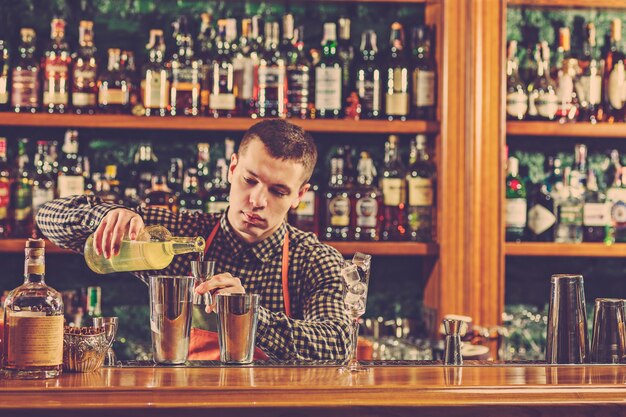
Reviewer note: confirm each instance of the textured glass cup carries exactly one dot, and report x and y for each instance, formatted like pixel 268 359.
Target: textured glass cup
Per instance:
pixel 354 299
pixel 110 325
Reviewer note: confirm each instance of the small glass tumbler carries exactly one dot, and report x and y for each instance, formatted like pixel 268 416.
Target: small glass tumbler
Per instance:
pixel 110 325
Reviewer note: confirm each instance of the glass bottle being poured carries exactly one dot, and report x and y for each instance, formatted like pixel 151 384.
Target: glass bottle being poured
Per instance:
pixel 154 248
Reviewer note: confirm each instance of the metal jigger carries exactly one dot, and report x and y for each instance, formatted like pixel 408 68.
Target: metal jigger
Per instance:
pixel 452 350
pixel 608 342
pixel 202 271
pixel 567 321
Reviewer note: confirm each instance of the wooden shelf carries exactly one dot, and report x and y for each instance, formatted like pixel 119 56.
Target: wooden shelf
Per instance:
pixel 595 250
pixel 568 4
pixel 235 124
pixel 580 129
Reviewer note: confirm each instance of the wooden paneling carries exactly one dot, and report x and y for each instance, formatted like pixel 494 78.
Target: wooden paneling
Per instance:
pixel 595 250
pixel 235 124
pixel 550 130
pixel 568 4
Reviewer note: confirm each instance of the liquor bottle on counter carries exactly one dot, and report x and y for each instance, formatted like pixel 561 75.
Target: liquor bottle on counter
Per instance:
pixel 337 197
pixel 614 76
pixel 94 302
pixel 43 185
pixel 542 99
pixel 5 190
pixel 70 180
pixel 596 212
pixel 515 206
pixel 298 79
pixel 589 85
pixel 421 196
pixel 328 77
pixel 55 67
pixel 345 52
pixel 616 195
pixel 397 76
pixel 33 322
pixel 366 202
pixel 306 215
pixel 160 196
pixel 393 185
pixel 114 87
pixel 4 75
pixel 244 61
pixel 368 77
pixel 25 76
pixel 185 94
pixel 84 73
pixel 424 79
pixel 570 210
pixel 217 196
pixel 566 73
pixel 155 85
pixel 21 194
pixel 221 78
pixel 516 96
pixel 190 199
pixel 270 91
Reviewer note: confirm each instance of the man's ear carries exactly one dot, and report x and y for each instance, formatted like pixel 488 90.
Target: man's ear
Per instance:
pixel 231 168
pixel 301 192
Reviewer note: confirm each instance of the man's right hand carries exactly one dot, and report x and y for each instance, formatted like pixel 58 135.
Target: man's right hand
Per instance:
pixel 114 226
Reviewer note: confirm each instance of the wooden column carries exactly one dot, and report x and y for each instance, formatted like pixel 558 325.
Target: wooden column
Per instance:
pixel 469 276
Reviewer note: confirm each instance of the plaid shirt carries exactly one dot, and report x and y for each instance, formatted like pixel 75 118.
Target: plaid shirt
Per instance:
pixel 319 328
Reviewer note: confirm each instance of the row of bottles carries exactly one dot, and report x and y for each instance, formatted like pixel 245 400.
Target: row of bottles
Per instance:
pixel 257 74
pixel 588 87
pixel 569 206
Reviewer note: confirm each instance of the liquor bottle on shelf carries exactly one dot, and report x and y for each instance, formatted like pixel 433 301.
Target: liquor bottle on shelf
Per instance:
pixel 128 67
pixel 84 73
pixel 542 98
pixel 190 199
pixel 393 185
pixel 203 166
pixel 206 38
pixel 221 78
pixel 596 212
pixel 185 94
pixel 217 196
pixel 131 198
pixel 88 181
pixel 160 195
pixel 25 76
pixel 337 197
pixel 306 215
pixel 424 75
pixel 614 76
pixel 4 75
pixel 554 179
pixel 94 302
pixel 328 77
pixel 528 62
pixel 270 90
pixel 397 77
pixel 43 183
pixel 21 193
pixel 113 192
pixel 570 210
pixel 155 85
pixel 366 202
pixel 516 96
pixel 515 206
pixel 616 195
pixel 33 322
pixel 143 168
pixel 244 61
pixel 113 86
pixel 368 77
pixel 299 70
pixel 589 85
pixel 566 73
pixel 421 192
pixel 176 175
pixel 345 52
pixel 5 190
pixel 70 180
pixel 580 163
pixel 55 68
pixel 541 219
pixel 286 46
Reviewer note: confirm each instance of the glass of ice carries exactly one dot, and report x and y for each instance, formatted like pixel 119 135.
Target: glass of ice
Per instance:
pixel 354 298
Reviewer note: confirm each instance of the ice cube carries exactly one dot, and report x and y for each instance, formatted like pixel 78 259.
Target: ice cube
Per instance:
pixel 357 288
pixel 350 275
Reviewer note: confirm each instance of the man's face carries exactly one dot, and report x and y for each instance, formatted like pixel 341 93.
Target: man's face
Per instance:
pixel 262 191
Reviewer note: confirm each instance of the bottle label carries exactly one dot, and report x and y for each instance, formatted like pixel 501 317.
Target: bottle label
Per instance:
pixel 55 97
pixel 420 192
pixel 618 213
pixel 547 104
pixel 22 200
pixel 4 92
pixel 34 340
pixel 243 69
pixel 423 88
pixel 517 104
pixel 515 212
pixel 369 93
pixel 570 215
pixel 298 81
pixel 596 214
pixel 590 89
pixel 339 210
pixel 83 99
pixel 393 191
pixel 306 207
pixel 397 104
pixel 328 88
pixel 540 219
pixel 366 212
pixel 111 96
pixel 217 206
pixel 616 86
pixel 4 199
pixel 40 197
pixel 55 86
pixel 25 88
pixel 270 77
pixel 155 88
pixel 71 185
pixel 84 77
pixel 222 101
pixel 565 90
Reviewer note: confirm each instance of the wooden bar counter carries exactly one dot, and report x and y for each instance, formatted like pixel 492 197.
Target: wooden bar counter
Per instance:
pixel 490 390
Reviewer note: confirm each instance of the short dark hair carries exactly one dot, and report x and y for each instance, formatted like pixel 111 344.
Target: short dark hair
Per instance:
pixel 284 140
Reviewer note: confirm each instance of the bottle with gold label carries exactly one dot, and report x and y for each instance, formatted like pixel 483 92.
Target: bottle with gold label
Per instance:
pixel 337 200
pixel 33 322
pixel 397 78
pixel 55 68
pixel 420 186
pixel 392 183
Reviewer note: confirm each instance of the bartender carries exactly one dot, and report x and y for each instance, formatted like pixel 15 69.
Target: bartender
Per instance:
pixel 255 251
